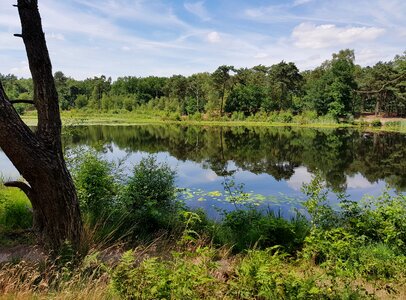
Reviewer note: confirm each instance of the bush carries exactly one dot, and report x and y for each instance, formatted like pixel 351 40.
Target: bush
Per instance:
pixel 244 229
pixel 365 238
pixel 150 196
pixel 237 116
pixel 379 261
pixel 188 275
pixel 95 186
pixel 267 274
pixel 361 122
pixel 285 116
pixel 197 116
pixel 376 123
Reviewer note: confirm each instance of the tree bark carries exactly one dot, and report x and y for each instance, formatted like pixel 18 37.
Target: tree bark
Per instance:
pixel 38 156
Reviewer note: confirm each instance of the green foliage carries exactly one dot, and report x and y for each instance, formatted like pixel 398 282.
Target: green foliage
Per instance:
pixel 246 99
pixel 248 228
pixel 337 87
pixel 95 186
pixel 285 116
pixel 267 274
pixel 15 210
pixel 188 275
pixel 237 116
pixel 149 196
pixel 376 123
pixel 365 239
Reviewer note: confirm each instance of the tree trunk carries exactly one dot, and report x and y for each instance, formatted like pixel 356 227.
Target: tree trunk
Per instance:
pixel 377 105
pixel 38 156
pixel 222 99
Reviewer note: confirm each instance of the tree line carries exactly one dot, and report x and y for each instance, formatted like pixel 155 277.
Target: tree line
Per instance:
pixel 337 88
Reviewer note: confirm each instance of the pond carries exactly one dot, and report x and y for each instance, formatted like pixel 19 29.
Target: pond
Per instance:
pixel 272 162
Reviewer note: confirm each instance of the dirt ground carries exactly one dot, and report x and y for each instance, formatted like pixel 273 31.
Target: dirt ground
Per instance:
pixel 21 252
pixel 382 118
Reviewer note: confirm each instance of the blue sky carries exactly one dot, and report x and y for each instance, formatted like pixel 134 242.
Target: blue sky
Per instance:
pixel 139 38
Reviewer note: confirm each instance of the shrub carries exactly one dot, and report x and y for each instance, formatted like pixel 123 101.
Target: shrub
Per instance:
pixel 197 116
pixel 361 122
pixel 187 275
pixel 272 116
pixel 376 123
pixel 285 116
pixel 365 238
pixel 379 261
pixel 267 274
pixel 237 116
pixel 150 196
pixel 95 186
pixel 309 115
pixel 243 229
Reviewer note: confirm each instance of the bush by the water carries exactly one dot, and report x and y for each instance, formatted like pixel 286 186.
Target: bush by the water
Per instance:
pixel 95 186
pixel 247 228
pixel 150 197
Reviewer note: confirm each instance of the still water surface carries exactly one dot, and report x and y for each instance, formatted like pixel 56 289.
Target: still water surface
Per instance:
pixel 273 163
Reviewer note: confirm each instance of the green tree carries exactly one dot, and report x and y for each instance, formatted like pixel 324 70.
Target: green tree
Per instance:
pixel 222 81
pixel 246 99
pixel 330 88
pixel 286 82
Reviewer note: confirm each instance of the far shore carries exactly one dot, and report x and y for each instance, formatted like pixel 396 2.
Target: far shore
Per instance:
pixel 366 123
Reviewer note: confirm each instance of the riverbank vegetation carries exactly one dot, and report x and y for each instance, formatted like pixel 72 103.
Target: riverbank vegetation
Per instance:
pixel 144 243
pixel 337 91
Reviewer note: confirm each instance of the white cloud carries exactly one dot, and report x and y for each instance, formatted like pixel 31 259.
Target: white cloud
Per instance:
pixel 148 12
pixel 22 70
pixel 55 36
pixel 261 55
pixel 309 35
pixel 300 177
pixel 198 9
pixel 358 182
pixel 214 37
pixel 301 2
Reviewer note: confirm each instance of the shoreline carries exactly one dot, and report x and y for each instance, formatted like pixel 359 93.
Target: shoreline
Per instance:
pixel 131 120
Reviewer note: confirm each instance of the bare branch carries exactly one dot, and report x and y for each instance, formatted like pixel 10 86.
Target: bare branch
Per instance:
pixel 383 86
pixel 21 185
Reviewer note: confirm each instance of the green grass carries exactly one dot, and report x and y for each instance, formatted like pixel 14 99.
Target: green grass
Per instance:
pixel 15 216
pixel 144 117
pixel 14 209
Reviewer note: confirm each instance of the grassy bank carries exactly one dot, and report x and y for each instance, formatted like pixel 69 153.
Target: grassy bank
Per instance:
pixel 160 117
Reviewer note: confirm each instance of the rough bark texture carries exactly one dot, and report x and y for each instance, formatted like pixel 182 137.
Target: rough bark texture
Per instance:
pixel 38 156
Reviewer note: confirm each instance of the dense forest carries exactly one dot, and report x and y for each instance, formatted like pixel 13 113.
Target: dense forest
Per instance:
pixel 338 88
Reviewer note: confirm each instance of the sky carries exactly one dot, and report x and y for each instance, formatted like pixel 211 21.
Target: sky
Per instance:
pixel 116 38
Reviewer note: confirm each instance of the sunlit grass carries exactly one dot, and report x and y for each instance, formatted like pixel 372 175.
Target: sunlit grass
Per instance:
pixel 141 117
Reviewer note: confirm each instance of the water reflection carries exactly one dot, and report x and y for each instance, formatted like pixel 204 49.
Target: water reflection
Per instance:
pixel 270 161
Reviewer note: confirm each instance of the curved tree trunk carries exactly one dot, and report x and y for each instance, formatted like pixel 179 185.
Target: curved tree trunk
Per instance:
pixel 38 156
